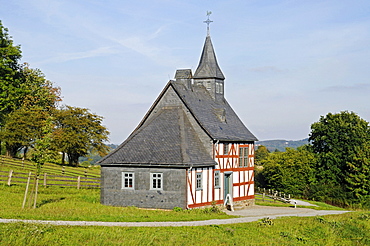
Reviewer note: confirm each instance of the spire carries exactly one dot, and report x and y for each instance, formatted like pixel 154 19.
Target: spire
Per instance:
pixel 208 66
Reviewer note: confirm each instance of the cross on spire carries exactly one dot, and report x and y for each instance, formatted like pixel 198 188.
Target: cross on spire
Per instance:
pixel 208 21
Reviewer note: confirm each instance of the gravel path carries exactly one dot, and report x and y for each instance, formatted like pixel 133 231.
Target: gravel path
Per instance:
pixel 247 215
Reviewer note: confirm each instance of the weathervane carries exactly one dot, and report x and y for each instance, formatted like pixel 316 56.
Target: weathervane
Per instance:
pixel 208 21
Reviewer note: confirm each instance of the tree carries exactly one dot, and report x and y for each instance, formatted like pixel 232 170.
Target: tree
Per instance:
pixel 22 128
pixel 21 89
pixel 290 171
pixel 341 142
pixel 9 73
pixel 78 131
pixel 261 154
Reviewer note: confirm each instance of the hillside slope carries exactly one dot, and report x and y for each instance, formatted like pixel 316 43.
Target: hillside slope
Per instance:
pixel 280 145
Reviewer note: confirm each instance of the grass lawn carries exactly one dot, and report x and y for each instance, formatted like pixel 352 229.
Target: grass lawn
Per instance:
pixel 270 202
pixel 55 203
pixel 345 229
pixel 72 204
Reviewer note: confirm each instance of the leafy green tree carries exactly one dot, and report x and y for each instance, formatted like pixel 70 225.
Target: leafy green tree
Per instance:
pixel 261 154
pixel 79 131
pixel 22 128
pixel 10 55
pixel 21 89
pixel 290 171
pixel 341 142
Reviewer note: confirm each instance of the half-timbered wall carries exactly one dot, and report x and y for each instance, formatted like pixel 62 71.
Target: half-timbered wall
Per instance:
pixel 230 161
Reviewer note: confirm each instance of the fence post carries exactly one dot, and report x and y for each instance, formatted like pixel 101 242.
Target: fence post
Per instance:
pixel 26 192
pixel 78 182
pixel 36 190
pixel 45 175
pixel 10 177
pixel 63 169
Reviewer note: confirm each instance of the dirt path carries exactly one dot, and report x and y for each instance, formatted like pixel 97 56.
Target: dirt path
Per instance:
pixel 247 215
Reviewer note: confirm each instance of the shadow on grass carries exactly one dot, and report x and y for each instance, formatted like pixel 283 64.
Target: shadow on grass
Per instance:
pixel 43 202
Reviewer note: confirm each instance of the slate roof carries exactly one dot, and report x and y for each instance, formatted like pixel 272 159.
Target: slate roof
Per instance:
pixel 216 117
pixel 167 139
pixel 208 66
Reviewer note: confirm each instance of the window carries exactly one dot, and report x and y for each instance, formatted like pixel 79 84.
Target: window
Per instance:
pixel 199 181
pixel 243 156
pixel 217 179
pixel 209 85
pixel 156 181
pixel 226 148
pixel 128 180
pixel 217 87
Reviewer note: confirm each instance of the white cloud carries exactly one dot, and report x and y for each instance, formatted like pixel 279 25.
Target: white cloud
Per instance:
pixel 65 57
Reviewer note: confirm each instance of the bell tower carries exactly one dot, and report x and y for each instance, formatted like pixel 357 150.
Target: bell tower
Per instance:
pixel 208 73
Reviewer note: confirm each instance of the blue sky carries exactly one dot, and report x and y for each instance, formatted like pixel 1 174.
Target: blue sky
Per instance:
pixel 286 63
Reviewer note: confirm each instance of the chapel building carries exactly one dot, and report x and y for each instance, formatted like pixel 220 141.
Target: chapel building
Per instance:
pixel 190 150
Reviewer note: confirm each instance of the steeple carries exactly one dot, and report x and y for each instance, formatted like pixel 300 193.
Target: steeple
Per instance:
pixel 208 72
pixel 208 66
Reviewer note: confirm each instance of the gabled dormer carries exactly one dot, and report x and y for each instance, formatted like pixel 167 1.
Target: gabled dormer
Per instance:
pixel 208 73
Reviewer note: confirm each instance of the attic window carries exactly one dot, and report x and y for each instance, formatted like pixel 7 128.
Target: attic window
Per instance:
pixel 226 148
pixel 221 114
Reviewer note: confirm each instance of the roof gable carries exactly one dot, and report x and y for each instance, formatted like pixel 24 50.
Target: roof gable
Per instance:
pixel 166 139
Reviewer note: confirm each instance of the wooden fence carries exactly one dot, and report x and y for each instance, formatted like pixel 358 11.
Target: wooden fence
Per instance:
pixel 63 170
pixel 45 179
pixel 270 195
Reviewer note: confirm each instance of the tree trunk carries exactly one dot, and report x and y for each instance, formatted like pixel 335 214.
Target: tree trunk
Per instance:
pixel 25 152
pixel 73 159
pixel 63 158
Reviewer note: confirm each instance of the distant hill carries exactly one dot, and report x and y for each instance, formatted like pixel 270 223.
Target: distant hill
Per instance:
pixel 280 145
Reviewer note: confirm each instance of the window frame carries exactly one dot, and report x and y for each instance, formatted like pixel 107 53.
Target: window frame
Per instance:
pixel 129 179
pixel 243 156
pixel 198 181
pixel 158 181
pixel 226 148
pixel 217 180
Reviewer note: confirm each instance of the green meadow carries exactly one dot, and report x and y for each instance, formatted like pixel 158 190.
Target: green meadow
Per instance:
pixel 71 204
pixel 345 229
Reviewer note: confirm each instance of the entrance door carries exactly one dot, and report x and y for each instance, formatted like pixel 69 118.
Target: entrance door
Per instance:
pixel 228 184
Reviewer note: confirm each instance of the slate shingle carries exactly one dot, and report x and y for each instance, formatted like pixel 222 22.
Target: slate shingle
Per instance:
pixel 167 139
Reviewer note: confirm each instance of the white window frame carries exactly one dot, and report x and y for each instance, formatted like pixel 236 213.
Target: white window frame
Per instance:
pixel 199 181
pixel 217 180
pixel 156 181
pixel 130 177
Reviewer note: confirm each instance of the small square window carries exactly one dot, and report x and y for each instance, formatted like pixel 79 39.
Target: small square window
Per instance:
pixel 199 181
pixel 128 180
pixel 156 181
